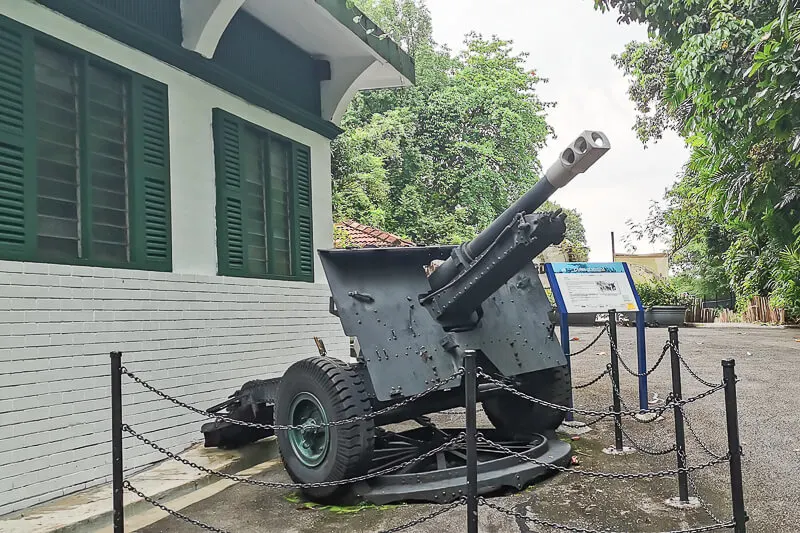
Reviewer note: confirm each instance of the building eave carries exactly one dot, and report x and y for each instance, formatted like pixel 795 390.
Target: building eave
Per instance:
pixel 370 34
pixel 354 58
pixel 359 55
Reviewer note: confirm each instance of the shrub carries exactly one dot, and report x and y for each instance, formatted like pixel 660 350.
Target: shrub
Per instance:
pixel 786 286
pixel 660 291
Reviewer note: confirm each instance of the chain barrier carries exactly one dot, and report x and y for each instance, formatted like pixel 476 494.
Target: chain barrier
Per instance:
pixel 429 516
pixel 670 403
pixel 127 486
pixel 646 373
pixel 646 420
pixel 643 449
pixel 689 369
pixel 607 475
pixel 696 437
pixel 706 507
pixel 278 485
pixel 582 424
pixel 606 372
pixel 599 336
pixel 284 427
pixel 417 521
pixel 554 525
pixel 601 414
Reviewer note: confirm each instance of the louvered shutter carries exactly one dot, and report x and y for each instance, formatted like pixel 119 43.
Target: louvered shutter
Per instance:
pixel 301 156
pixel 151 221
pixel 108 167
pixel 17 195
pixel 230 230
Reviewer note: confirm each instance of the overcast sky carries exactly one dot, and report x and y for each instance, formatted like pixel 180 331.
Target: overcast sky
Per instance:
pixel 571 44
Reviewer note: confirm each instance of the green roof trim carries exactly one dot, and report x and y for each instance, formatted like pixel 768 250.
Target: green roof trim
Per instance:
pixel 125 31
pixel 386 48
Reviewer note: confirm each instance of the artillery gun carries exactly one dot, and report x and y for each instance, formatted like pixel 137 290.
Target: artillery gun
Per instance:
pixel 414 312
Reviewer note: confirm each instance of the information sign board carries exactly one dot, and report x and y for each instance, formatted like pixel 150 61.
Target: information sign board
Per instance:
pixel 594 287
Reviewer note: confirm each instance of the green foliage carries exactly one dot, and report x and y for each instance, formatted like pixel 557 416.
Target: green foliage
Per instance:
pixel 297 499
pixel 437 162
pixel 660 291
pixel 786 288
pixel 407 22
pixel 726 76
pixel 341 238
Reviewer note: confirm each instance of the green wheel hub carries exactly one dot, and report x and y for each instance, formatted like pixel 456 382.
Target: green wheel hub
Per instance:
pixel 310 442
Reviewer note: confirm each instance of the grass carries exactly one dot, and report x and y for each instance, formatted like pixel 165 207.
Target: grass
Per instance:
pixel 297 499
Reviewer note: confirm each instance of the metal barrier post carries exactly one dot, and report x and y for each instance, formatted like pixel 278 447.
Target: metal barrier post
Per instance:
pixel 641 352
pixel 680 435
pixel 470 401
pixel 565 346
pixel 116 441
pixel 612 333
pixel 734 446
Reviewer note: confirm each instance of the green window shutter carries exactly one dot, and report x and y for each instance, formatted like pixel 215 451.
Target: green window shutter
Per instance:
pixel 304 242
pixel 108 166
pixel 232 258
pixel 17 153
pixel 280 206
pixel 151 227
pixel 58 109
pixel 254 226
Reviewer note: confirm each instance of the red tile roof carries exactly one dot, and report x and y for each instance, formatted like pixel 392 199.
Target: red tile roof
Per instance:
pixel 362 236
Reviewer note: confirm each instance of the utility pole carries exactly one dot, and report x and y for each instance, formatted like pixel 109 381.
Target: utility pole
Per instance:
pixel 613 250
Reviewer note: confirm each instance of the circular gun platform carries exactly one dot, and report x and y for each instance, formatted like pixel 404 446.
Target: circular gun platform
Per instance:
pixel 442 477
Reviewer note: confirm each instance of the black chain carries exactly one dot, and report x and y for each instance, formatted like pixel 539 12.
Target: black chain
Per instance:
pixel 639 374
pixel 609 475
pixel 697 437
pixel 669 399
pixel 703 503
pixel 583 424
pixel 600 414
pixel 644 450
pixel 595 380
pixel 539 521
pixel 599 335
pixel 284 427
pixel 126 485
pixel 689 369
pixel 618 392
pixel 429 516
pixel 275 484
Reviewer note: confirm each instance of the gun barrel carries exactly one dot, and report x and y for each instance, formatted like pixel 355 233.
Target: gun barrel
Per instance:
pixel 581 154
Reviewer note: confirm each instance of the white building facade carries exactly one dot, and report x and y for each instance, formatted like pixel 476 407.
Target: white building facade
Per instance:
pixel 164 184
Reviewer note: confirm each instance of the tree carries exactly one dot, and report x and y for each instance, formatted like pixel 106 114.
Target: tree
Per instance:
pixel 724 74
pixel 407 22
pixel 437 162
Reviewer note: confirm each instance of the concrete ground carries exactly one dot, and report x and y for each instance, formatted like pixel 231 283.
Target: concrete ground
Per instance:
pixel 768 365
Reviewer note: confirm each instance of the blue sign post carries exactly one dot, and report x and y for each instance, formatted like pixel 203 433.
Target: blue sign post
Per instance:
pixel 591 288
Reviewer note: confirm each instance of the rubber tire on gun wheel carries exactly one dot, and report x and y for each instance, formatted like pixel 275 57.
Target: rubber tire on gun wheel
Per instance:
pixel 518 417
pixel 342 395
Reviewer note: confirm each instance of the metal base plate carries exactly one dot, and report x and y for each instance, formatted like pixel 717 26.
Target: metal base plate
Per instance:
pixel 611 450
pixel 443 478
pixel 691 503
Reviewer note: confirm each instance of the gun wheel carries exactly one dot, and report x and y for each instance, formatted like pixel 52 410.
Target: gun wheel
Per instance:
pixel 517 417
pixel 312 393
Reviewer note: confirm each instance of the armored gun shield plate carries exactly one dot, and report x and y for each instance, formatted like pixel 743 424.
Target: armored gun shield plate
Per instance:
pixel 377 291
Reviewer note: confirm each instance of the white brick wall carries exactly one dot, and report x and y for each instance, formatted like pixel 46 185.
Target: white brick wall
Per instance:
pixel 193 334
pixel 195 337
